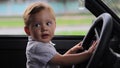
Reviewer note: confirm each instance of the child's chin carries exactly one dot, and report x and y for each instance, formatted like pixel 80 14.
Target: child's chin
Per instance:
pixel 45 40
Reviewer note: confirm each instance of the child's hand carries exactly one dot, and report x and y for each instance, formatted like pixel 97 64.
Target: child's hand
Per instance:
pixel 92 48
pixel 76 48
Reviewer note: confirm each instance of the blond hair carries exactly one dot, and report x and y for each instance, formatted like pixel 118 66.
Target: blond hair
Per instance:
pixel 35 8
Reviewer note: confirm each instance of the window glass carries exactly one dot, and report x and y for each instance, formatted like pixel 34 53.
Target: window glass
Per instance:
pixel 114 5
pixel 72 17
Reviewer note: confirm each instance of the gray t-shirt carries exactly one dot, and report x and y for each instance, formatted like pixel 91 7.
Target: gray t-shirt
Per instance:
pixel 38 54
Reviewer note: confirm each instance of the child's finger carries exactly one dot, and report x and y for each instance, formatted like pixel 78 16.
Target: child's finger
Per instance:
pixel 92 48
pixel 94 43
pixel 80 43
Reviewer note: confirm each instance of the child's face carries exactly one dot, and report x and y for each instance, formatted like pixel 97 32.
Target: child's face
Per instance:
pixel 43 26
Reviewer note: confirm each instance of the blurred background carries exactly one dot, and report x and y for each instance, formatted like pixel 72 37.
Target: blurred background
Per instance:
pixel 72 17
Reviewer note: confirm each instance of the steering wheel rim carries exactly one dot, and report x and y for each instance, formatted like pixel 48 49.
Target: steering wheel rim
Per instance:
pixel 97 31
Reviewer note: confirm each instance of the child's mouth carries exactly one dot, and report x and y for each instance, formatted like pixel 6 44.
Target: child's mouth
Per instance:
pixel 45 36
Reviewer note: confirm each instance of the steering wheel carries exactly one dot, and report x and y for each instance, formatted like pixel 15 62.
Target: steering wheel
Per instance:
pixel 100 30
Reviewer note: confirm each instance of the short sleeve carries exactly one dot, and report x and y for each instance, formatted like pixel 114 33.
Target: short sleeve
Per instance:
pixel 43 53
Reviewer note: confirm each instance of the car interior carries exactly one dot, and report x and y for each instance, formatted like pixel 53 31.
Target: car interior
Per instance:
pixel 105 28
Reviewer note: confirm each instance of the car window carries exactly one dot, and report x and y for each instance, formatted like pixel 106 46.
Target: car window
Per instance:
pixel 71 16
pixel 114 5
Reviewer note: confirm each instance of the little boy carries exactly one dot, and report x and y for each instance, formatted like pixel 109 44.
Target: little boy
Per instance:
pixel 40 24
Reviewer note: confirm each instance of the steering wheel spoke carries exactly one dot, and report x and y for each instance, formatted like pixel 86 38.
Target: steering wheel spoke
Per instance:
pixel 97 34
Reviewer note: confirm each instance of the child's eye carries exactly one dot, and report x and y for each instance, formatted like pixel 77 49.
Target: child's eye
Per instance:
pixel 37 25
pixel 49 23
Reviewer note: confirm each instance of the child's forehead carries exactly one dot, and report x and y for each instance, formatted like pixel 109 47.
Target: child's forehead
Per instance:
pixel 44 11
pixel 42 17
pixel 43 14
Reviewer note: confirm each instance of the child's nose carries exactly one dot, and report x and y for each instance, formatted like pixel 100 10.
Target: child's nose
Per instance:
pixel 43 28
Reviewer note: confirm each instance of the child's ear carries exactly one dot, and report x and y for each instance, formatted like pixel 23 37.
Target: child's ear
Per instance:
pixel 26 29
